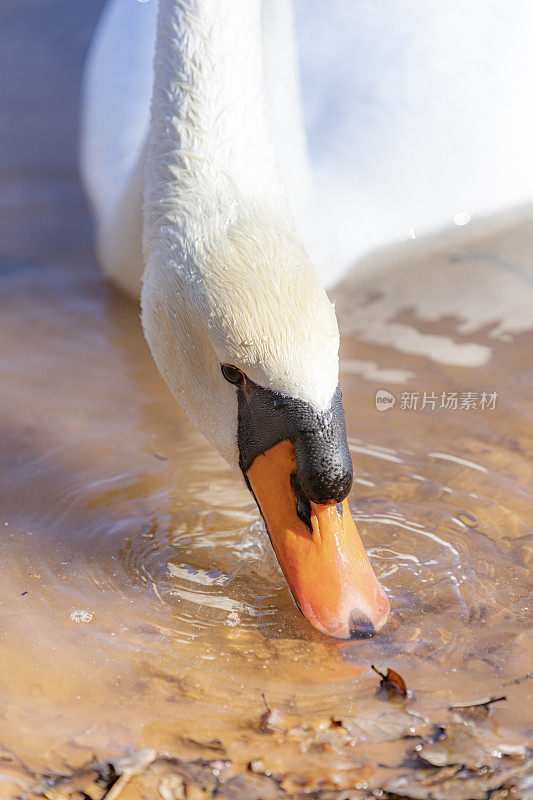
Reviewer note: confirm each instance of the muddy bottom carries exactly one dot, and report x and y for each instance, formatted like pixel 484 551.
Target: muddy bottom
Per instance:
pixel 149 645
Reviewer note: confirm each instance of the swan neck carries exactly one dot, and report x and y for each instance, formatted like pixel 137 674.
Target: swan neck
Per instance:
pixel 209 135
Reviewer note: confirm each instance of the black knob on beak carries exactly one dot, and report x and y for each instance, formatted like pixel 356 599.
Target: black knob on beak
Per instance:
pixel 324 462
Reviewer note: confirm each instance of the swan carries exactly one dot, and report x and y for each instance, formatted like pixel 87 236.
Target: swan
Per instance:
pixel 199 180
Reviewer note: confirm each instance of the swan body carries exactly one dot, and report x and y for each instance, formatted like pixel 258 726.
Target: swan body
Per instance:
pixel 415 114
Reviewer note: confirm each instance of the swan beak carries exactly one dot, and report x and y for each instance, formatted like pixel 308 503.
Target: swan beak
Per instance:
pixel 319 550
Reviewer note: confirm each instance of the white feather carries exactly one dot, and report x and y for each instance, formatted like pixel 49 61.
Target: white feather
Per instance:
pixel 226 276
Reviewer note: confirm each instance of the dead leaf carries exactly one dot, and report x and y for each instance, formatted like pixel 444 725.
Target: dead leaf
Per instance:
pixel 80 784
pixel 479 703
pixel 476 711
pixel 461 744
pixel 248 787
pixel 455 783
pixel 382 725
pixel 269 719
pixel 392 681
pixel 129 766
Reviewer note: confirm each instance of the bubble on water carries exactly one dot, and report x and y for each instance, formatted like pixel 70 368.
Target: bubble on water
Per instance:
pixel 233 619
pixel 81 616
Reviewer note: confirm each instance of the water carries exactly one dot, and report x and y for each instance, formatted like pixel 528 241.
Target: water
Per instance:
pixel 138 597
pixel 139 601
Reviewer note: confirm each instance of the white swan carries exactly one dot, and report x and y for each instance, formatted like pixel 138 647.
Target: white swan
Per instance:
pixel 236 319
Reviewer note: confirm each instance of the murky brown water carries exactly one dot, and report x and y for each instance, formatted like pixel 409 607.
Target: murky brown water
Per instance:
pixel 139 604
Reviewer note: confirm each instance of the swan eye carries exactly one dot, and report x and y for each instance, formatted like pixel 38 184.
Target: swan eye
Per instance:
pixel 232 374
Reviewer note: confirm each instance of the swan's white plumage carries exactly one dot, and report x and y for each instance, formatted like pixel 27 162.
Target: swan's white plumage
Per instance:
pixel 415 110
pixel 226 276
pixel 117 92
pixel 115 117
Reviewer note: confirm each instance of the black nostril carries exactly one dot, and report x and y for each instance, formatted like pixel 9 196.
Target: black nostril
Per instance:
pixel 360 626
pixel 303 506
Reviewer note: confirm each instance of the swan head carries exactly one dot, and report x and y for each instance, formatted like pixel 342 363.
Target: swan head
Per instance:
pixel 247 340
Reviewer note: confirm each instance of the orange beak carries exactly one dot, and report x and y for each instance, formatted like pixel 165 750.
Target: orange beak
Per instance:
pixel 327 569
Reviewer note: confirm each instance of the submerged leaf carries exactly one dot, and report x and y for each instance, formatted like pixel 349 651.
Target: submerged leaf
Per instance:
pixel 478 703
pixel 269 718
pixel 455 783
pixel 83 783
pixel 382 725
pixel 392 681
pixel 476 711
pixel 463 745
